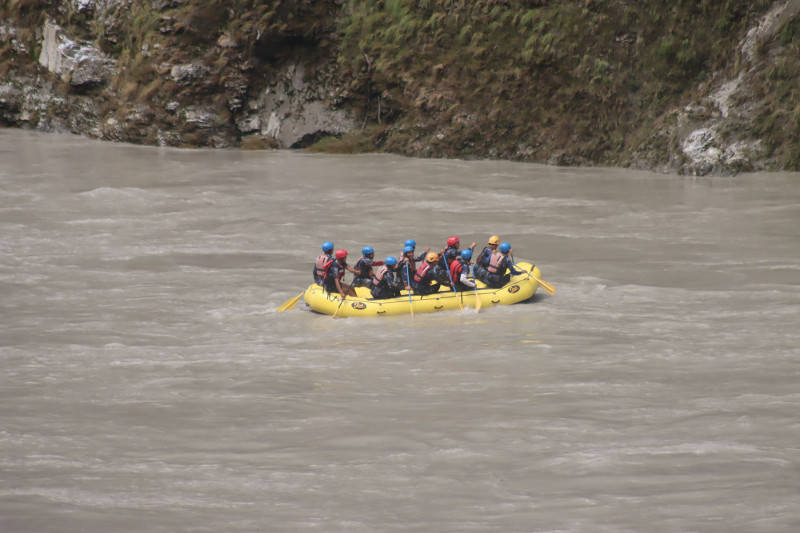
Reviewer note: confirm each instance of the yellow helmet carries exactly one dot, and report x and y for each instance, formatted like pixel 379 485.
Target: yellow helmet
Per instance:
pixel 494 239
pixel 432 257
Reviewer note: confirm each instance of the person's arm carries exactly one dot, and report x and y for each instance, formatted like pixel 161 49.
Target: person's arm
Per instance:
pixel 339 287
pixel 423 256
pixel 511 267
pixel 465 280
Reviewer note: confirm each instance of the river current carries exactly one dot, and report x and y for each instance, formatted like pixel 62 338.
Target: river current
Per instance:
pixel 147 383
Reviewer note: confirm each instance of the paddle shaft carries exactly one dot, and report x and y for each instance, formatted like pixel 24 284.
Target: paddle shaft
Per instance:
pixel 546 286
pixel 477 297
pixel 337 309
pixel 410 301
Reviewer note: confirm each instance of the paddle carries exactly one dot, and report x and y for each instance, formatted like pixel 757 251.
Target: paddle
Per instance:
pixel 337 309
pixel 549 288
pixel 546 286
pixel 410 302
pixel 447 267
pixel 475 281
pixel 289 305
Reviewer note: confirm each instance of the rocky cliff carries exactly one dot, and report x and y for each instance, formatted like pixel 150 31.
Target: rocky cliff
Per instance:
pixel 684 87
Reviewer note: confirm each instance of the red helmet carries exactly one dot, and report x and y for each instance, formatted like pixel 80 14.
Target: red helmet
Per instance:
pixel 452 241
pixel 341 254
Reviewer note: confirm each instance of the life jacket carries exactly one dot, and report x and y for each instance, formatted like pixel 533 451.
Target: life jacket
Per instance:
pixel 363 270
pixel 328 271
pixel 379 275
pixel 421 271
pixel 322 264
pixel 456 267
pixel 495 262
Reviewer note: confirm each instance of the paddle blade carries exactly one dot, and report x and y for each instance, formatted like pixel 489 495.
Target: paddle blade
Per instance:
pixel 549 288
pixel 289 304
pixel 477 296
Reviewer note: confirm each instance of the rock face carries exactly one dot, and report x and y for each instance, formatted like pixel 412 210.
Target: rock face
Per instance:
pixel 704 149
pixel 78 63
pixel 282 74
pixel 294 112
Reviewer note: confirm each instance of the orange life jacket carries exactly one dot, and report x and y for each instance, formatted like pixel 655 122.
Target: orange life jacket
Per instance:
pixel 379 275
pixel 495 262
pixel 323 263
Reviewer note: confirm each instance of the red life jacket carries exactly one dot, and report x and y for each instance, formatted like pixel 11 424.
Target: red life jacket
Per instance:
pixel 323 263
pixel 495 262
pixel 455 270
pixel 328 274
pixel 379 275
pixel 421 271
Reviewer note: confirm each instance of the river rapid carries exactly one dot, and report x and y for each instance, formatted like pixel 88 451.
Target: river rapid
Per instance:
pixel 147 383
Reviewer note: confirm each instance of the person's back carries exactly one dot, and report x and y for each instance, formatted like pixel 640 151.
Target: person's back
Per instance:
pixel 322 262
pixel 384 284
pixel 332 282
pixel 459 272
pixel 499 264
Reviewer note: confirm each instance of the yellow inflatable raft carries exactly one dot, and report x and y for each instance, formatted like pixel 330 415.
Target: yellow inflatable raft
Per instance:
pixel 520 288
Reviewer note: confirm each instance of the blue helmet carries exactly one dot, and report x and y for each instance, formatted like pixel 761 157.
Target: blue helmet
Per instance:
pixel 390 261
pixel 408 248
pixel 504 247
pixel 411 242
pixel 466 254
pixel 367 250
pixel 327 246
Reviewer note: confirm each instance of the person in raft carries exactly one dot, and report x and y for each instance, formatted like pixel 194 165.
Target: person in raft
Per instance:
pixel 332 282
pixel 384 284
pixel 483 259
pixel 413 244
pixel 448 255
pixel 459 270
pixel 321 263
pixel 363 268
pixel 407 266
pixel 497 273
pixel 424 281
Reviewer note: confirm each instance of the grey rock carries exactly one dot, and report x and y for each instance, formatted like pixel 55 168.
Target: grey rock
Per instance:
pixel 78 62
pixel 188 73
pixel 295 109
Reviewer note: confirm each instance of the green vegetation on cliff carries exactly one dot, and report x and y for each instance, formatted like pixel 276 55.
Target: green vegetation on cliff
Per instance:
pixel 567 82
pixel 527 79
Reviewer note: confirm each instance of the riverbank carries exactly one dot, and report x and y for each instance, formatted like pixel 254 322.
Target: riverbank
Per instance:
pixel 686 89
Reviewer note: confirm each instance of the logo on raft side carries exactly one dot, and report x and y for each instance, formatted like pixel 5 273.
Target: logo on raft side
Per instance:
pixel 513 289
pixel 358 305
